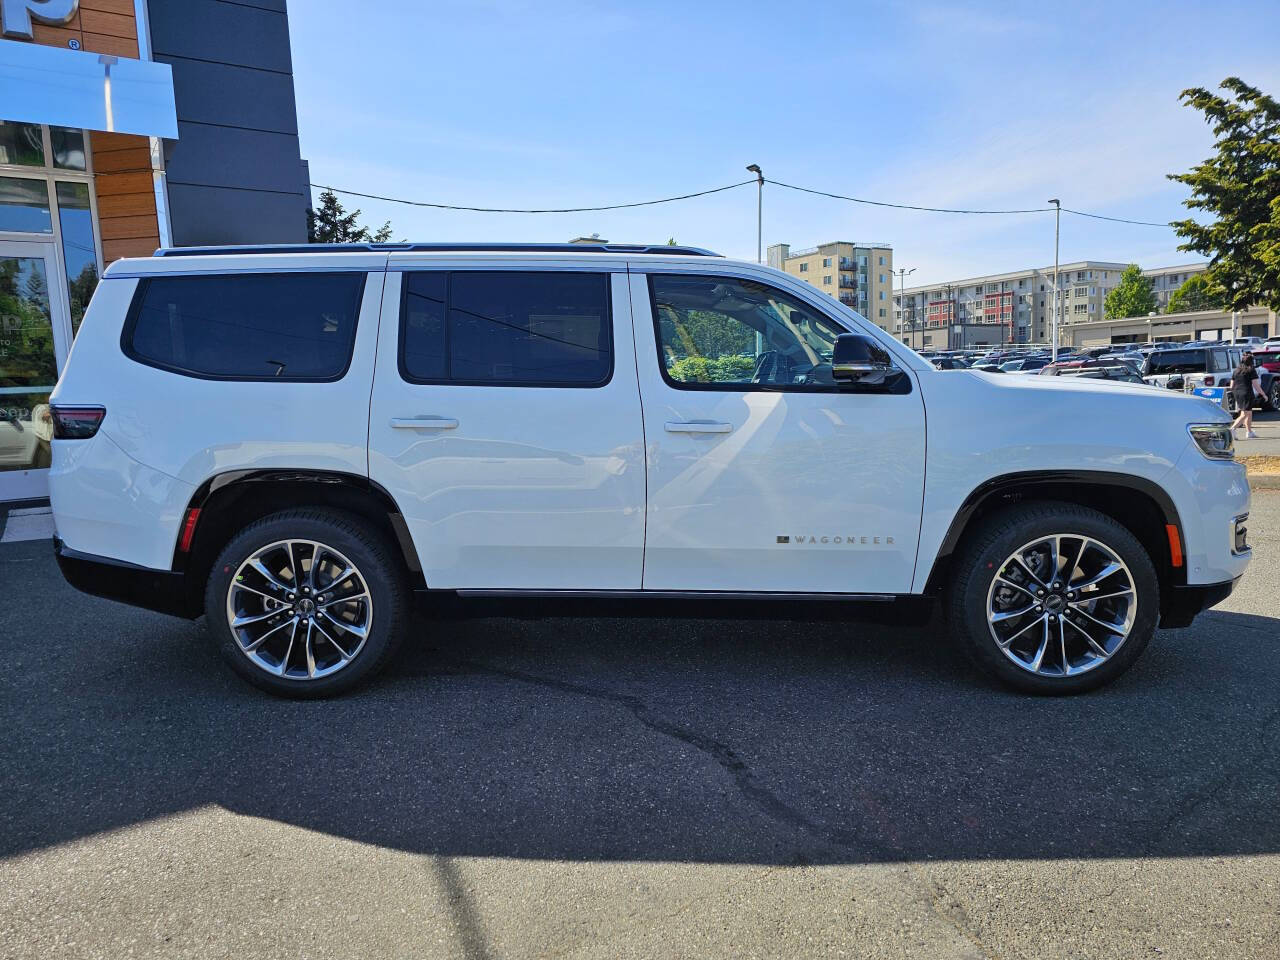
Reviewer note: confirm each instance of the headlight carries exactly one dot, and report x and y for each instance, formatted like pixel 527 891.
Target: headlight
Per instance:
pixel 1215 440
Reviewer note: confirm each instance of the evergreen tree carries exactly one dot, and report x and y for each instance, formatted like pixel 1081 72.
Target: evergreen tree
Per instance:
pixel 332 224
pixel 1240 186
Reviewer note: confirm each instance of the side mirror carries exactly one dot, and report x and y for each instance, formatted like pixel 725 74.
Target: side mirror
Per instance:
pixel 860 360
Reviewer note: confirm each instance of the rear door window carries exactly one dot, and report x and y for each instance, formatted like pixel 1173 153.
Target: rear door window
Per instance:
pixel 261 326
pixel 532 328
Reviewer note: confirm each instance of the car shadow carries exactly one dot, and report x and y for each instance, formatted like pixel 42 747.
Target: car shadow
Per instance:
pixel 735 741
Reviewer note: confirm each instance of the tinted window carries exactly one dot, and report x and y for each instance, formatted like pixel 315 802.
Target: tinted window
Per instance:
pixel 519 329
pixel 726 333
pixel 281 326
pixel 1176 361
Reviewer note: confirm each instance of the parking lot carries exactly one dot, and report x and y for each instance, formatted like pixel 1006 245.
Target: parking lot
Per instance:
pixel 620 788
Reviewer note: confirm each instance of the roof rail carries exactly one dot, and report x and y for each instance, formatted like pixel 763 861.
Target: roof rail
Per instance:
pixel 435 248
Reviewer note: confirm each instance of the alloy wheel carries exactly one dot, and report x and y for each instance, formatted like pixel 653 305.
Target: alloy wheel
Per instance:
pixel 1061 605
pixel 299 609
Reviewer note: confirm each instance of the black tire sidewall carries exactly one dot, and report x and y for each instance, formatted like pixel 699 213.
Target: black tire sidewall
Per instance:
pixel 349 535
pixel 1003 533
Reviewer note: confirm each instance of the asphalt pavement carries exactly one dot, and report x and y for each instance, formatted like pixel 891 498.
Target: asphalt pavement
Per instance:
pixel 630 788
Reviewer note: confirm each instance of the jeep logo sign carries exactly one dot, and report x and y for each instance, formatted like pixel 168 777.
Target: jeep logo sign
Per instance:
pixel 16 15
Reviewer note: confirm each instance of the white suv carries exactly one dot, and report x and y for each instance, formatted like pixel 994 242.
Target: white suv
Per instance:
pixel 296 441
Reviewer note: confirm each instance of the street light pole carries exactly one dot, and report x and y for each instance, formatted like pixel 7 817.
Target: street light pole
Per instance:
pixel 1057 222
pixel 902 296
pixel 755 168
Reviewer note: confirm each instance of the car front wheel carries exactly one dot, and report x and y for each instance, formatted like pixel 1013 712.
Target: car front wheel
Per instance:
pixel 1054 598
pixel 307 603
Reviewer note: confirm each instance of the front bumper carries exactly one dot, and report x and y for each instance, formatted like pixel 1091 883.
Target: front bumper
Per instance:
pixel 161 590
pixel 1183 604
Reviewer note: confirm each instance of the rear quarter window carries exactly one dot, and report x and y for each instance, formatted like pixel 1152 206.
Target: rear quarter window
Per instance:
pixel 261 326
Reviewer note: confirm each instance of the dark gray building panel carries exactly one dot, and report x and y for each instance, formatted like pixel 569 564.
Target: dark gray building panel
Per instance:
pixel 233 96
pixel 219 215
pixel 233 157
pixel 222 32
pixel 235 174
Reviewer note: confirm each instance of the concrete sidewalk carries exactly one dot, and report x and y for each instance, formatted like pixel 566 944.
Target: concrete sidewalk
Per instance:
pixel 1267 427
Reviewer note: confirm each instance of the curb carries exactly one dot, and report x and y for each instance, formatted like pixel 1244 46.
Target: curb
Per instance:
pixel 1264 481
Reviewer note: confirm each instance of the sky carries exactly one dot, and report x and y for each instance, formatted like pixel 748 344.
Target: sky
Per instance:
pixel 554 103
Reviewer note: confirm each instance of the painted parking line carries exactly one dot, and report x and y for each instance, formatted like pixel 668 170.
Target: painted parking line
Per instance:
pixel 34 523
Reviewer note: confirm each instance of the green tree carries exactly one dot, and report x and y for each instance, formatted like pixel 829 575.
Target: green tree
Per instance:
pixel 1196 293
pixel 1132 297
pixel 332 224
pixel 1240 187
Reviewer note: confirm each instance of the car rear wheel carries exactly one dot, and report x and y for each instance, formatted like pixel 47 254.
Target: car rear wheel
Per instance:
pixel 307 603
pixel 1054 598
pixel 1273 398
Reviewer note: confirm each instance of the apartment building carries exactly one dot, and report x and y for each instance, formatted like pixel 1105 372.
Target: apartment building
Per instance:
pixel 1165 280
pixel 1017 307
pixel 859 275
pixel 1014 307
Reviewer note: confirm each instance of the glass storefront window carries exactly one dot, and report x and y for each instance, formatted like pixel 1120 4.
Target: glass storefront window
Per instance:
pixel 21 144
pixel 28 370
pixel 68 148
pixel 24 206
pixel 75 218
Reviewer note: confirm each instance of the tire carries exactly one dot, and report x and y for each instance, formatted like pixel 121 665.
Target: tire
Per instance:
pixel 1273 398
pixel 350 639
pixel 986 582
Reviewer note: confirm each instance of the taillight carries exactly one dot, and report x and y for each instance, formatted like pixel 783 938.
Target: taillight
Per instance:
pixel 76 423
pixel 1208 381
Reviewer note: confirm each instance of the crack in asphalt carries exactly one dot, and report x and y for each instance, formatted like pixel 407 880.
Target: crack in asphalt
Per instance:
pixel 752 789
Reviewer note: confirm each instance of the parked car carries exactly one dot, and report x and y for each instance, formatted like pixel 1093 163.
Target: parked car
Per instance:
pixel 949 363
pixel 1134 360
pixel 1268 364
pixel 1024 364
pixel 1120 373
pixel 1195 368
pixel 296 442
pixel 1203 365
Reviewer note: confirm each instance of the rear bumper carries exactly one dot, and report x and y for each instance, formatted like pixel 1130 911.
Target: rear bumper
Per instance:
pixel 1184 604
pixel 161 590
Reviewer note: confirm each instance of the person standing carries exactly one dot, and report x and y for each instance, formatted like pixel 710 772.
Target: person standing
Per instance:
pixel 1244 385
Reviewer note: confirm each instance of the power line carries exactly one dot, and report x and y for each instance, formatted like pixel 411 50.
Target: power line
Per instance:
pixel 612 206
pixel 899 206
pixel 1098 216
pixel 734 186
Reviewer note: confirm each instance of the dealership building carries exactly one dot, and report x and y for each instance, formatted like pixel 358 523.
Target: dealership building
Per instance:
pixel 126 125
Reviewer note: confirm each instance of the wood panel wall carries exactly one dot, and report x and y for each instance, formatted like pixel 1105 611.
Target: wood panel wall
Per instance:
pixel 126 195
pixel 122 163
pixel 101 26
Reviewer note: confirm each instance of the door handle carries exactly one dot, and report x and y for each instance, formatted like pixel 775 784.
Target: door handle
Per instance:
pixel 423 423
pixel 698 426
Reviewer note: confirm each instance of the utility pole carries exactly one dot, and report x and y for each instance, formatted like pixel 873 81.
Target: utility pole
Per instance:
pixel 1057 222
pixel 755 168
pixel 902 297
